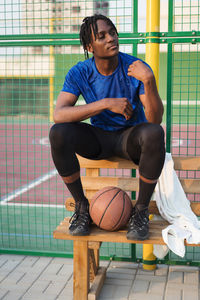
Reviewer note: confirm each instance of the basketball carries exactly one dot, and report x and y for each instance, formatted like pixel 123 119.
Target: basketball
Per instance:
pixel 110 208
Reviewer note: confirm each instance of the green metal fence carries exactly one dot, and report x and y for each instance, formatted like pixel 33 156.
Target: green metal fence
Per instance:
pixel 39 44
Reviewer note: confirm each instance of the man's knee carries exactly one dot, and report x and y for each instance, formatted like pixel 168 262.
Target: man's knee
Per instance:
pixel 155 133
pixel 59 134
pixel 149 137
pixel 153 137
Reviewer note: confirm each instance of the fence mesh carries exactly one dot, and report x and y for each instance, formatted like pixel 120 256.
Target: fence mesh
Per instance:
pixel 39 44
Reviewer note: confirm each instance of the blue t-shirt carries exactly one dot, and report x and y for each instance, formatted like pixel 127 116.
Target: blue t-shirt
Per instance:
pixel 84 78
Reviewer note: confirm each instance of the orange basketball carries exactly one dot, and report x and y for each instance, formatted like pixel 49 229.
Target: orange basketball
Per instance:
pixel 110 208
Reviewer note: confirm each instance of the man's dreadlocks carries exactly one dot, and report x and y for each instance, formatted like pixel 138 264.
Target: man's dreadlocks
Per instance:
pixel 90 24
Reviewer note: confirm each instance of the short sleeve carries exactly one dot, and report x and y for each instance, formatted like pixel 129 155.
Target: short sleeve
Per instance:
pixel 70 84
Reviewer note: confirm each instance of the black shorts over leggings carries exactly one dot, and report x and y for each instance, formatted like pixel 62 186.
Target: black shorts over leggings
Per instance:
pixel 143 144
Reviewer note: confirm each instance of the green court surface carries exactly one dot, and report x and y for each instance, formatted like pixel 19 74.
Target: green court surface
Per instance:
pixel 31 228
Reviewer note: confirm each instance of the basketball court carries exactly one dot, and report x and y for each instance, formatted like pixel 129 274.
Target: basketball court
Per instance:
pixel 39 44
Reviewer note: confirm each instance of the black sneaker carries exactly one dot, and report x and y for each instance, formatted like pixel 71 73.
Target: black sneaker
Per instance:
pixel 138 225
pixel 74 217
pixel 73 220
pixel 80 223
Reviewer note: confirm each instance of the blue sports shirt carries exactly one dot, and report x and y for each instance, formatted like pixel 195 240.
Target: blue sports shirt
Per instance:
pixel 84 78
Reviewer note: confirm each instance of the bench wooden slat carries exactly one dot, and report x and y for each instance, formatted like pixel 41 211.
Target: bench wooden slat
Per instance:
pixel 112 163
pixel 195 206
pixel 70 205
pixel 191 185
pixel 180 163
pixel 98 235
pixel 153 209
pixel 186 163
pixel 96 183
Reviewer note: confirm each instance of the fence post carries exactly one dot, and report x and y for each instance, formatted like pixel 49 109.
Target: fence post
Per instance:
pixel 152 58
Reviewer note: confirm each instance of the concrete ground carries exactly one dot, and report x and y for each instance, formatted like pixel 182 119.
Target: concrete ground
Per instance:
pixel 41 278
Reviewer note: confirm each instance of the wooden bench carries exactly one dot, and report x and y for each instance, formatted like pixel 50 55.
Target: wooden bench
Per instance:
pixel 88 276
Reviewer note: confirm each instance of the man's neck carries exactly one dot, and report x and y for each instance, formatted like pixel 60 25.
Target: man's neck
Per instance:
pixel 106 66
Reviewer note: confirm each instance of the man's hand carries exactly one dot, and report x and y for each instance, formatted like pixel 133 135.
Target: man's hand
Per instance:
pixel 120 106
pixel 140 71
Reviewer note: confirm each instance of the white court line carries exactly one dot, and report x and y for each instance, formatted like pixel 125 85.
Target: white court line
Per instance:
pixel 174 102
pixel 28 186
pixel 34 205
pixel 183 102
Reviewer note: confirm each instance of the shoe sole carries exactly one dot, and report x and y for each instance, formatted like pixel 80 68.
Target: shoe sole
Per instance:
pixel 78 233
pixel 138 238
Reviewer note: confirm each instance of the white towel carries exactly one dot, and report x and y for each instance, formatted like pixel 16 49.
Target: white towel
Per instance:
pixel 175 208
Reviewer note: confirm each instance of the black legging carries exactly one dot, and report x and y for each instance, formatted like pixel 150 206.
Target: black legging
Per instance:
pixel 144 144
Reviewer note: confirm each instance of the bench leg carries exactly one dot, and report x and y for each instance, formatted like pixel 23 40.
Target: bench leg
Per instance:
pixel 81 270
pixel 93 258
pixel 93 265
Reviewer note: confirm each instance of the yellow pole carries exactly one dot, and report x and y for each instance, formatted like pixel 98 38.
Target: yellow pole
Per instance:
pixel 152 58
pixel 51 71
pixel 153 25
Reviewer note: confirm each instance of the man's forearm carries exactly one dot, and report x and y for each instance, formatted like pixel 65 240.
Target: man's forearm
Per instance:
pixel 79 112
pixel 153 104
pixel 70 113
